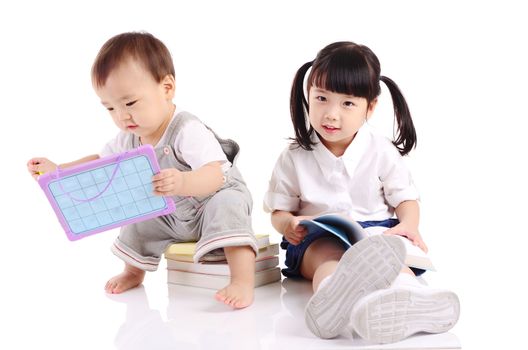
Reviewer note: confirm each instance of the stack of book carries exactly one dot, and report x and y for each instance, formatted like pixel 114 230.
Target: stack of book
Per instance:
pixel 213 271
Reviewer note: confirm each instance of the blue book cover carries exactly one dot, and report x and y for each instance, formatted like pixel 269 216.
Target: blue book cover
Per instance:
pixel 350 232
pixel 345 229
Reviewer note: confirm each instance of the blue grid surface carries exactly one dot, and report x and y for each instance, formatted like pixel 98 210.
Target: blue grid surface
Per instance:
pixel 128 196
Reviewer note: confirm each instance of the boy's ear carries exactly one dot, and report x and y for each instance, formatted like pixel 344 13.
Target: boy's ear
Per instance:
pixel 371 107
pixel 169 86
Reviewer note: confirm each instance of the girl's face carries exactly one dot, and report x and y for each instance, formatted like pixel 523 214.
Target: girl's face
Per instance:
pixel 337 117
pixel 137 102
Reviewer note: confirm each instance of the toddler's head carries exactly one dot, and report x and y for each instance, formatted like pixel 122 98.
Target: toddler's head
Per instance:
pixel 142 47
pixel 133 75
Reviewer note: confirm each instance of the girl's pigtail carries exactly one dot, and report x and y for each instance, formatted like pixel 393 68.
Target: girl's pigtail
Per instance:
pixel 299 109
pixel 406 138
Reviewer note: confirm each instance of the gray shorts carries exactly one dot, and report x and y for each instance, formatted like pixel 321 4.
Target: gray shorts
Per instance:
pixel 221 220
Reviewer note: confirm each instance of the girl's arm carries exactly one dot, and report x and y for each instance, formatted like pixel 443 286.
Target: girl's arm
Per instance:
pixel 200 182
pixel 288 225
pixel 408 213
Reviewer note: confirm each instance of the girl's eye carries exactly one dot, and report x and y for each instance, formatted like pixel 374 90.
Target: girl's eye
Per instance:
pixel 131 103
pixel 110 108
pixel 320 98
pixel 349 104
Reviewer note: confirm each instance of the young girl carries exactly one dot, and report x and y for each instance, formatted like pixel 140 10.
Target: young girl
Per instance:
pixel 336 164
pixel 133 75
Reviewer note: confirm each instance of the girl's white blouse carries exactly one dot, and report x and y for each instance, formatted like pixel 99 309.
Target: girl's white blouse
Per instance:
pixel 366 183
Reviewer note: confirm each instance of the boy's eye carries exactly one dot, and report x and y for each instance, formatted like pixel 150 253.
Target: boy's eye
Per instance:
pixel 131 103
pixel 110 108
pixel 349 104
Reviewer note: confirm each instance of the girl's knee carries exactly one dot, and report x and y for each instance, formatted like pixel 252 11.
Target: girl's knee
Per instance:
pixel 321 251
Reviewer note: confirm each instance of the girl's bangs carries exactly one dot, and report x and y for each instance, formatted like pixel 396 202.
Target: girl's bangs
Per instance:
pixel 342 74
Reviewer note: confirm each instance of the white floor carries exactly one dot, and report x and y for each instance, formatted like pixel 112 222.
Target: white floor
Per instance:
pixel 69 310
pixel 192 320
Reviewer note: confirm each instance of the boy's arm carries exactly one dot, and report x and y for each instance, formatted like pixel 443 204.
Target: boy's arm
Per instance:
pixel 79 161
pixel 200 182
pixel 39 165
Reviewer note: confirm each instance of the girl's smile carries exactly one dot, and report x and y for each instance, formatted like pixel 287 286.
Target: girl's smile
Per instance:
pixel 331 129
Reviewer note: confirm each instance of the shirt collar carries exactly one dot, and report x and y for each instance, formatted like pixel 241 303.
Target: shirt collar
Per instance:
pixel 329 163
pixel 355 151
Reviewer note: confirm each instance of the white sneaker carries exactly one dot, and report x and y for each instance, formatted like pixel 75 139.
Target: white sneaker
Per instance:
pixel 390 315
pixel 371 264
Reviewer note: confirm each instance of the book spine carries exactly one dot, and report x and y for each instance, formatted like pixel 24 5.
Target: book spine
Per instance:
pixel 218 268
pixel 216 281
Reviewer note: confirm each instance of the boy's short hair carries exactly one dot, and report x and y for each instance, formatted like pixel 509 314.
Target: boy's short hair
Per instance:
pixel 142 46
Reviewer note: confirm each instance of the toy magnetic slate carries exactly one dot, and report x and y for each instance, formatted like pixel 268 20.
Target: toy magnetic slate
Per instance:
pixel 106 193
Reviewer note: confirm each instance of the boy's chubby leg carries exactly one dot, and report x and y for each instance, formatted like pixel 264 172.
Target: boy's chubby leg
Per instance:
pixel 130 277
pixel 239 292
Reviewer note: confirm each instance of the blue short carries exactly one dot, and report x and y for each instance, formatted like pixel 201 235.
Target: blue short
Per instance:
pixel 295 253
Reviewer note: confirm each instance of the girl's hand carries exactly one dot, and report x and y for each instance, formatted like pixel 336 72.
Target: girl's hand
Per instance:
pixel 293 232
pixel 413 235
pixel 168 182
pixel 39 166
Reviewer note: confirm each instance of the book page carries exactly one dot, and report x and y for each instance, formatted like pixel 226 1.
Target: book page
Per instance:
pixel 416 257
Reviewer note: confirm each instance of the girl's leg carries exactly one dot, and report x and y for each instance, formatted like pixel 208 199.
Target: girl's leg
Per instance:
pixel 370 264
pixel 320 260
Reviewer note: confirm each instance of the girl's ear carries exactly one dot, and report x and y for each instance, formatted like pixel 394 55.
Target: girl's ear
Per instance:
pixel 169 86
pixel 371 107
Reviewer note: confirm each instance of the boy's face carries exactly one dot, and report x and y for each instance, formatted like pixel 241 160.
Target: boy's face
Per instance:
pixel 337 117
pixel 137 102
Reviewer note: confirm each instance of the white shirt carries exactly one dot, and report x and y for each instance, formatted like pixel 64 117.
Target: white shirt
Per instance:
pixel 367 182
pixel 197 145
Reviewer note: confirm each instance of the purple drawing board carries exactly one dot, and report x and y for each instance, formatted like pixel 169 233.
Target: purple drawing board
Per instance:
pixel 106 193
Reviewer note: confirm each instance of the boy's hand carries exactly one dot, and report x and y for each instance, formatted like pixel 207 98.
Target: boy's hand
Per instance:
pixel 169 182
pixel 38 166
pixel 293 232
pixel 413 235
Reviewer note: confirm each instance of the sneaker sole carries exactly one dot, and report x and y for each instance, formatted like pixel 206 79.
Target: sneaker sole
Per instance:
pixel 371 264
pixel 393 315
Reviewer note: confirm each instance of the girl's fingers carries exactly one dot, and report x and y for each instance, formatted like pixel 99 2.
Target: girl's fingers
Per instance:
pixel 423 246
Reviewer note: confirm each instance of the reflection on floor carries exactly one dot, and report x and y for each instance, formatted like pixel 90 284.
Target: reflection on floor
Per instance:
pixel 192 319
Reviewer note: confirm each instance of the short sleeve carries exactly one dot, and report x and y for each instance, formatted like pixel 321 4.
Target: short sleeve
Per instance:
pixel 398 185
pixel 283 191
pixel 198 146
pixel 116 145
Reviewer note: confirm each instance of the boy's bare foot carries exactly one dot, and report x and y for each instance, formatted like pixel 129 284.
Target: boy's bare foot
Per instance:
pixel 131 277
pixel 237 295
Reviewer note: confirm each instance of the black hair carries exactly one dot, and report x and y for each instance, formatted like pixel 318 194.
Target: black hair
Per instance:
pixel 348 68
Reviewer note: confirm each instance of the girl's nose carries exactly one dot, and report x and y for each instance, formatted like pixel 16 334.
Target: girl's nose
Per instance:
pixel 331 115
pixel 331 112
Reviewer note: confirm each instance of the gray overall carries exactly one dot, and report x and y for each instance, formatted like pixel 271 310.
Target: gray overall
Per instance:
pixel 222 219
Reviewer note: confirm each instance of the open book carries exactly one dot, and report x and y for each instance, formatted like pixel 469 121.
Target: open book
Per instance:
pixel 351 232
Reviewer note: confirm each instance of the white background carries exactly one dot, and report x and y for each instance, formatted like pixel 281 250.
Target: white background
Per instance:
pixel 462 67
